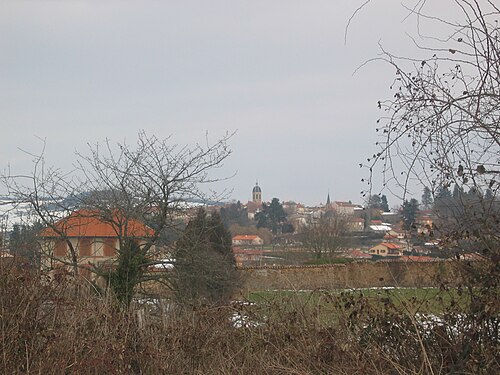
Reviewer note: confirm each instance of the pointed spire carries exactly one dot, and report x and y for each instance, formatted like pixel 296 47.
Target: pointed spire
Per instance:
pixel 328 199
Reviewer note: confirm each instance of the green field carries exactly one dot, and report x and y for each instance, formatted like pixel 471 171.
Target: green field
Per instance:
pixel 405 300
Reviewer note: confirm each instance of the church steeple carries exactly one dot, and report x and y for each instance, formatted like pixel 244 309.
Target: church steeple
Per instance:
pixel 257 193
pixel 328 205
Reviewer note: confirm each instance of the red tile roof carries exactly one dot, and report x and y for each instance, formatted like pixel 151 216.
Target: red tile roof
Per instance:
pixel 391 245
pixel 87 223
pixel 243 237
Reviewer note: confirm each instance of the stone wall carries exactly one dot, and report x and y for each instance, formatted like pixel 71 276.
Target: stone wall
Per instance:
pixel 351 275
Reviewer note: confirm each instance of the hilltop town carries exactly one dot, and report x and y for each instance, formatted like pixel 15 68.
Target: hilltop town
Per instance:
pixel 133 239
pixel 274 233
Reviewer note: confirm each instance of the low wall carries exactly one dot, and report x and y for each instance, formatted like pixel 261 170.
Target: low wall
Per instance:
pixel 351 275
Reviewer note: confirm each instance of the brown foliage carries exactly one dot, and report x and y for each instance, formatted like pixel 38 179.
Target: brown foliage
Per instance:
pixel 61 327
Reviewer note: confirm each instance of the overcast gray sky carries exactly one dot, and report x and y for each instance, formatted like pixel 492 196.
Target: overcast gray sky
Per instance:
pixel 277 72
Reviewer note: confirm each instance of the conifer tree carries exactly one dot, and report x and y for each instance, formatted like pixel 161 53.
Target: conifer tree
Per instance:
pixel 427 200
pixel 272 216
pixel 409 213
pixel 129 269
pixel 204 262
pixel 384 205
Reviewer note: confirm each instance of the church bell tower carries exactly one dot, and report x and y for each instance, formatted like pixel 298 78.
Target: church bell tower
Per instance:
pixel 257 194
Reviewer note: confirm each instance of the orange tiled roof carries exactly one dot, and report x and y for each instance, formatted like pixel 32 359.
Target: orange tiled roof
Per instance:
pixel 245 237
pixel 390 245
pixel 87 223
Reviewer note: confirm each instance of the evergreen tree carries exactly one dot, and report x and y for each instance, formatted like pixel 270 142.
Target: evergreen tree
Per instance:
pixel 234 213
pixel 204 262
pixel 445 203
pixel 272 216
pixel 128 272
pixel 427 200
pixel 442 193
pixel 375 202
pixel 409 213
pixel 220 238
pixel 384 205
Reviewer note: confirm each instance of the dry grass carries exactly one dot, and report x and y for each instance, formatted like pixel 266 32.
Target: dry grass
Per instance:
pixel 51 327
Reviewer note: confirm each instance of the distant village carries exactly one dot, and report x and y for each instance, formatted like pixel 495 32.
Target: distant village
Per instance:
pixel 267 233
pixel 369 232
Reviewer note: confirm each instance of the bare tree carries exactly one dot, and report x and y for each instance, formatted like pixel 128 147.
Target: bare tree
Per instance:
pixel 325 237
pixel 44 191
pixel 441 127
pixel 152 182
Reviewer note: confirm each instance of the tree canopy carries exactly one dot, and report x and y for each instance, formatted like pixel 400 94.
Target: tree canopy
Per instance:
pixel 427 200
pixel 379 202
pixel 234 213
pixel 409 213
pixel 272 216
pixel 205 268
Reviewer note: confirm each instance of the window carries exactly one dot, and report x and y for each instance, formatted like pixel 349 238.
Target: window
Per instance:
pixel 85 245
pixel 60 248
pixel 98 247
pixel 109 247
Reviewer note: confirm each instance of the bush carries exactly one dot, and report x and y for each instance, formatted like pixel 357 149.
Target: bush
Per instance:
pixel 61 327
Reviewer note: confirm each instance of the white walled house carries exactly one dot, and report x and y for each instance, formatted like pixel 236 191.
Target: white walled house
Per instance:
pixel 247 239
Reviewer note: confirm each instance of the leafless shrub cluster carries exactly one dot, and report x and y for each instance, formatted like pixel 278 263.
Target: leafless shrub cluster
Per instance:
pixel 52 327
